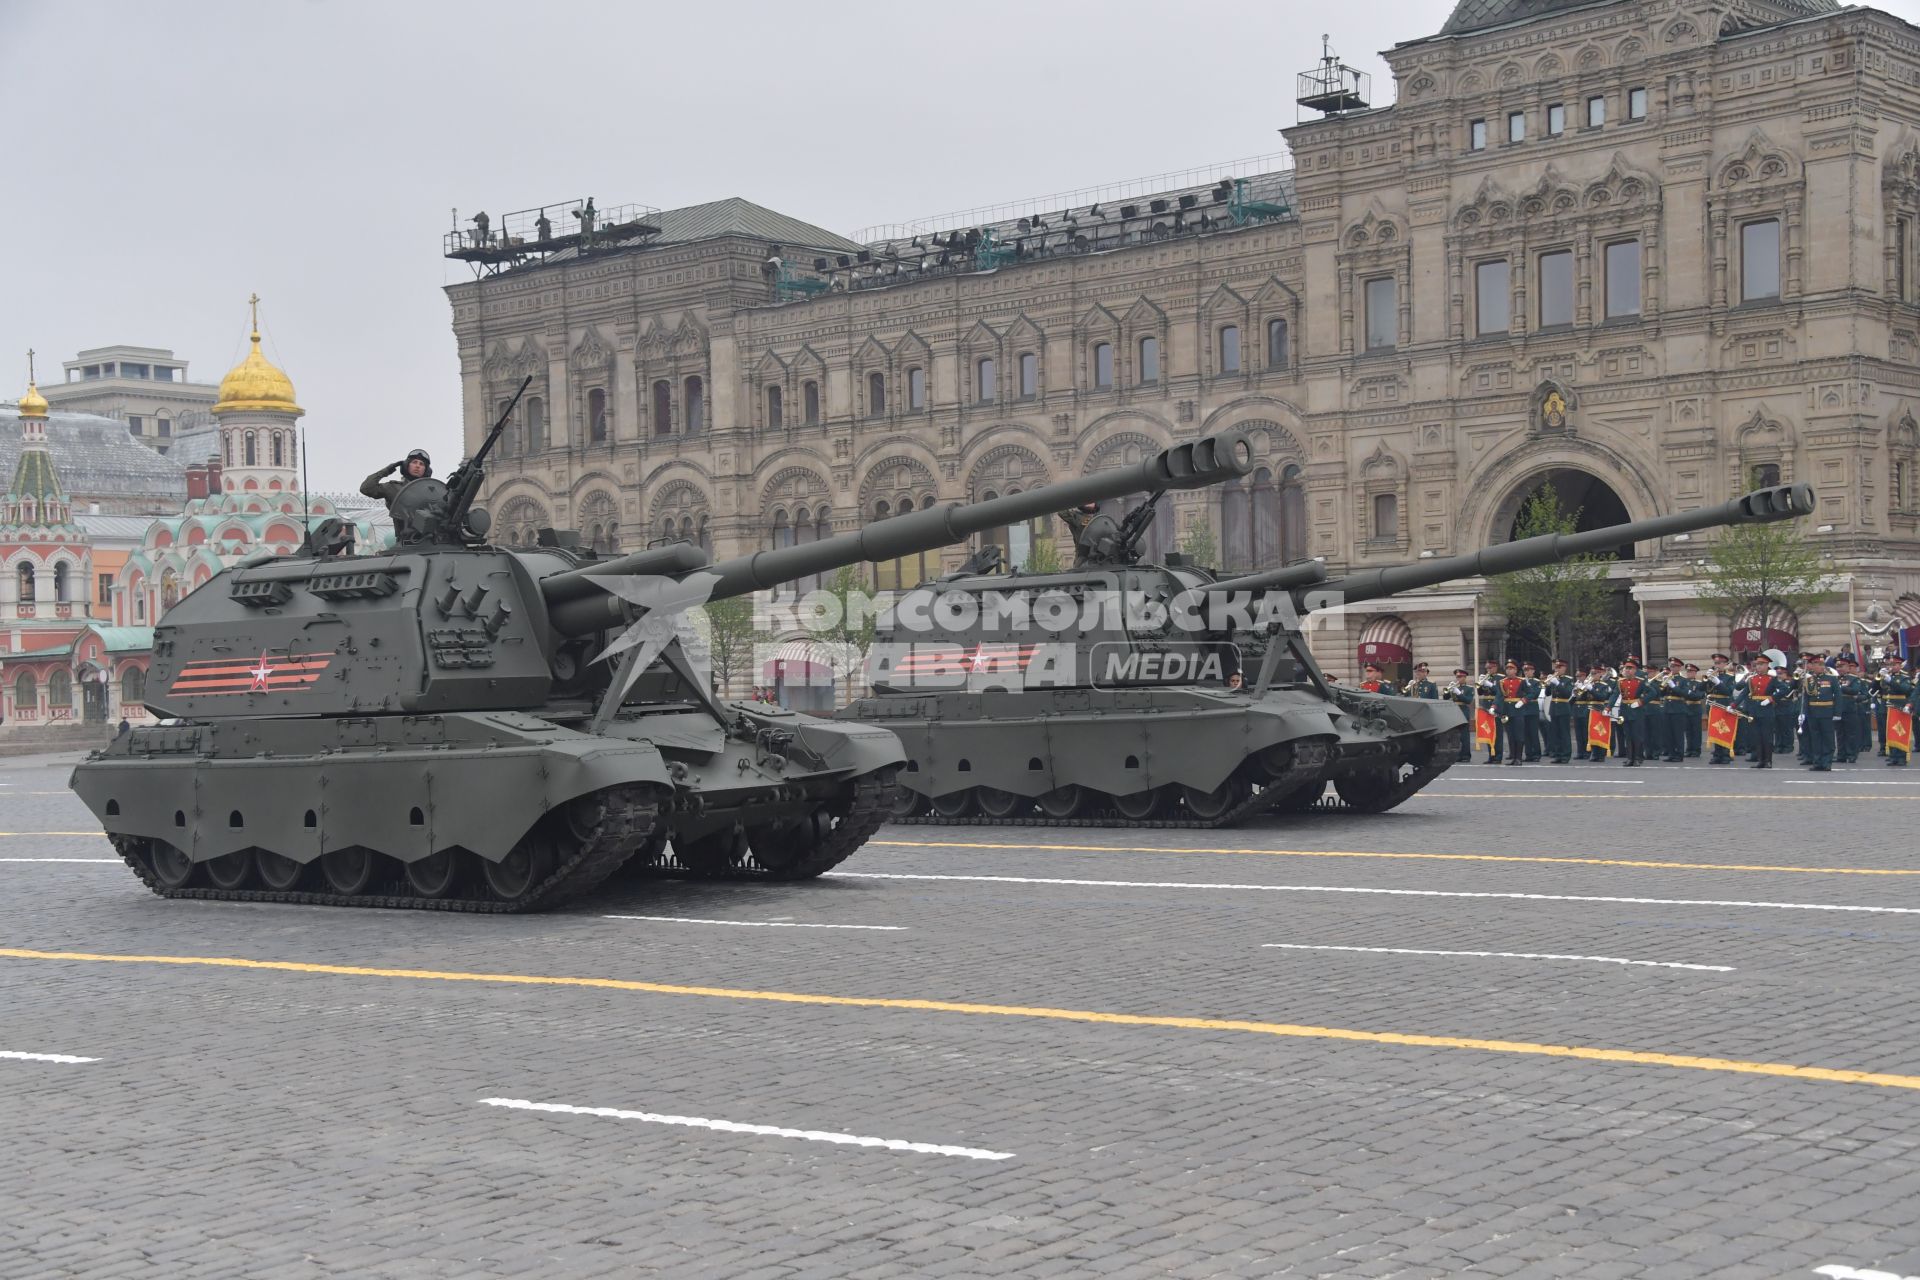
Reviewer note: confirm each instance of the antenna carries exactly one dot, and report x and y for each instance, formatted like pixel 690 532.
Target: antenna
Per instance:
pixel 1333 87
pixel 306 492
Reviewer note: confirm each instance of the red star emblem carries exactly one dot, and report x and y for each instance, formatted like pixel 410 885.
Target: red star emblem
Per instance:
pixel 261 674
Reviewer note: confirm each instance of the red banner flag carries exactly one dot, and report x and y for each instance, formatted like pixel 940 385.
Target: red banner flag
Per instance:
pixel 1485 730
pixel 1899 729
pixel 1599 731
pixel 1723 726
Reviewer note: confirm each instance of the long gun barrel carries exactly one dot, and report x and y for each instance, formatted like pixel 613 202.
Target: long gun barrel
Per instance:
pixel 1762 506
pixel 1193 465
pixel 464 484
pixel 1294 577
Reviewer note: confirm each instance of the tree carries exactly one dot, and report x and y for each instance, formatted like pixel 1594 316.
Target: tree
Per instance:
pixel 729 635
pixel 1044 555
pixel 851 626
pixel 1761 565
pixel 1553 603
pixel 1197 543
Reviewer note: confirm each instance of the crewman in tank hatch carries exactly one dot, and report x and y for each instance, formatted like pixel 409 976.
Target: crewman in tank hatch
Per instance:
pixel 415 466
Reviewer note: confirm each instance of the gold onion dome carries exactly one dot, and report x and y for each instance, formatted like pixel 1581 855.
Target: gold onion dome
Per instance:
pixel 256 384
pixel 33 404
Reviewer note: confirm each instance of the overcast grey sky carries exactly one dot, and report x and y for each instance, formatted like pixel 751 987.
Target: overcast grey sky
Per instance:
pixel 169 159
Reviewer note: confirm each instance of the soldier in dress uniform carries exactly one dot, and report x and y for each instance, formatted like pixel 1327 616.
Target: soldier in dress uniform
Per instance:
pixel 1786 713
pixel 1896 692
pixel 1854 695
pixel 1823 704
pixel 1720 688
pixel 1488 687
pixel 1602 689
pixel 1421 686
pixel 1696 708
pixel 1558 688
pixel 1370 681
pixel 1760 698
pixel 1460 692
pixel 1673 710
pixel 1512 706
pixel 1632 710
pixel 1530 714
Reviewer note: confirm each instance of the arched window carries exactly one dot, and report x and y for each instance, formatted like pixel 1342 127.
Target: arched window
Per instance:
pixel 810 403
pixel 663 408
pixel 133 688
pixel 1029 375
pixel 598 522
pixel 776 418
pixel 1765 475
pixel 59 691
pixel 165 424
pixel 986 380
pixel 278 451
pixel 1149 360
pixel 908 571
pixel 597 416
pixel 876 394
pixel 509 439
pixel 60 595
pixel 226 445
pixel 1293 514
pixel 26 694
pixel 1263 521
pixel 252 454
pixel 1277 354
pixel 27 584
pixel 536 424
pixel 1102 365
pixel 1230 348
pixel 916 388
pixel 169 590
pixel 696 405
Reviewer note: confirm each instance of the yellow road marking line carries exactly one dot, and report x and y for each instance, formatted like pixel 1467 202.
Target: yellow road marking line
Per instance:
pixel 1419 857
pixel 1586 1053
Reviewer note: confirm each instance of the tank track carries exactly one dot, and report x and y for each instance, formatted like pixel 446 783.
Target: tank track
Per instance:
pixel 626 817
pixel 865 815
pixel 1395 795
pixel 1306 763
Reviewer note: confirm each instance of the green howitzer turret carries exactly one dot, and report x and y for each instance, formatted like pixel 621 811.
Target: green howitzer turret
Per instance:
pixel 463 726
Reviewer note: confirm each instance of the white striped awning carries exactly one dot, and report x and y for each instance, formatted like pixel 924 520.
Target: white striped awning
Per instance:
pixel 799 661
pixel 1779 617
pixel 1906 611
pixel 1386 639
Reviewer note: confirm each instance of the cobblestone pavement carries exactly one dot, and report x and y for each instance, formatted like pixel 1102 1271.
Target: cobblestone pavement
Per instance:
pixel 1096 1053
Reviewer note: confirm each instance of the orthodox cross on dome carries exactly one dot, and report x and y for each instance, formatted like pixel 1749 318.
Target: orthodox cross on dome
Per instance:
pixel 253 310
pixel 30 378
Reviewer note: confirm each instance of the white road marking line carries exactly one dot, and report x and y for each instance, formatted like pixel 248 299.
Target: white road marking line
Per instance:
pixel 764 924
pixel 1504 955
pixel 14 1056
pixel 1840 1271
pixel 105 862
pixel 766 1130
pixel 1549 782
pixel 1392 893
pixel 1841 782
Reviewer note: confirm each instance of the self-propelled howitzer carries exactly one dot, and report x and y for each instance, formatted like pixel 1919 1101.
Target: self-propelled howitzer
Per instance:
pixel 1068 713
pixel 463 726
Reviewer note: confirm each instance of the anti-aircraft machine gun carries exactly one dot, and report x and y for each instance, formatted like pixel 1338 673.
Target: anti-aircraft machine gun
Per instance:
pixel 460 726
pixel 1111 699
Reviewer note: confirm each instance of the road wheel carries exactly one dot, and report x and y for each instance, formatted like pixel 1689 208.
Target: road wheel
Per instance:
pixel 1139 806
pixel 957 805
pixel 525 866
pixel 171 865
pixel 280 874
pixel 347 871
pixel 1209 806
pixel 1063 802
pixel 437 875
pixel 995 803
pixel 713 854
pixel 231 872
pixel 905 803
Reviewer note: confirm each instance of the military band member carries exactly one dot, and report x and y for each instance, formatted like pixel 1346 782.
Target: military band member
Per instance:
pixel 1512 708
pixel 1720 688
pixel 1488 687
pixel 1530 714
pixel 1601 692
pixel 1673 711
pixel 1853 711
pixel 1631 710
pixel 1823 697
pixel 1696 710
pixel 1761 698
pixel 1421 686
pixel 1460 692
pixel 1558 688
pixel 1896 693
pixel 1370 681
pixel 1786 708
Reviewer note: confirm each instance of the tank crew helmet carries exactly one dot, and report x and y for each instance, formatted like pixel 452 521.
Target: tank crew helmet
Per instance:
pixel 426 463
pixel 1089 508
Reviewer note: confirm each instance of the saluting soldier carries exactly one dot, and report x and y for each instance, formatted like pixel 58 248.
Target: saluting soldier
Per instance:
pixel 1760 698
pixel 1823 698
pixel 1696 710
pixel 1720 688
pixel 1896 691
pixel 1631 709
pixel 1512 708
pixel 1559 691
pixel 1460 692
